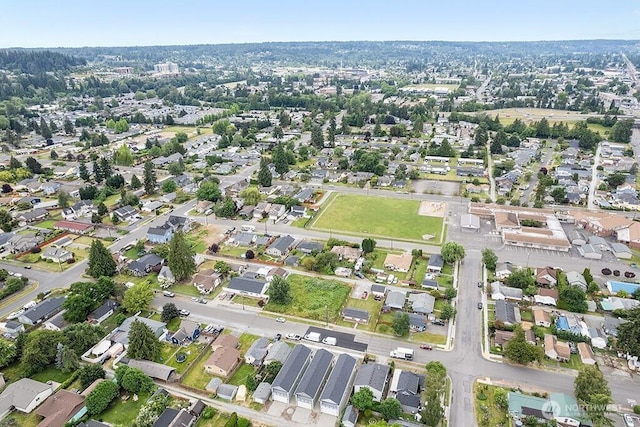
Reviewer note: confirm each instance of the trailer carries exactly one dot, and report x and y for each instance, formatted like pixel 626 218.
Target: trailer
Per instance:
pixel 402 353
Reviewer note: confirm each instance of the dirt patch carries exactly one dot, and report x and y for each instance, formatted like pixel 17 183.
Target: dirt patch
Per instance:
pixel 436 209
pixel 212 236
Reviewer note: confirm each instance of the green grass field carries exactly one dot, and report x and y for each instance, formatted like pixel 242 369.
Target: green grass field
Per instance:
pixel 124 412
pixel 377 216
pixel 312 298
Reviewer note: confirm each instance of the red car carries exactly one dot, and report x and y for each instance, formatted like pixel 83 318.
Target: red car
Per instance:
pixel 426 347
pixel 365 294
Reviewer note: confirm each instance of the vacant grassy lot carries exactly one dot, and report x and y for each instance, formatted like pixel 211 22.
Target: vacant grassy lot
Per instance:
pixel 51 374
pixel 312 298
pixel 124 412
pixel 528 115
pixel 487 411
pixel 377 216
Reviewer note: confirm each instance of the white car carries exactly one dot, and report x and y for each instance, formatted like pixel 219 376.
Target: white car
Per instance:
pixel 294 337
pixel 628 421
pixel 281 320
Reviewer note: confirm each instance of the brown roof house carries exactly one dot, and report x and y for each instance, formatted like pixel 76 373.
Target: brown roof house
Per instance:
pixel 541 317
pixel 60 408
pixel 346 252
pixel 225 341
pixel 222 362
pixel 546 276
pixel 502 337
pixel 586 354
pixel 546 297
pixel 401 263
pixel 556 350
pixel 206 281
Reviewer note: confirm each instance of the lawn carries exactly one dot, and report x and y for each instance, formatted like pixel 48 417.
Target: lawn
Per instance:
pixel 219 419
pixel 233 251
pixel 241 374
pixel 420 269
pixel 245 341
pixel 191 351
pixel 573 363
pixel 173 324
pixel 487 412
pixel 24 420
pixel 47 224
pixel 422 337
pixel 449 86
pixel 112 200
pixel 197 377
pixel 51 374
pixel 369 304
pixel 376 216
pixel 124 412
pixel 195 241
pixel 313 298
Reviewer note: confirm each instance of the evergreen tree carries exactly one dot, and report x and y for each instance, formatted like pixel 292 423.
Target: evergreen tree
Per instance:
pixel 138 297
pixel 150 179
pixel 317 139
pixel 180 259
pixel 135 182
pixel 45 131
pixel 101 262
pixel 264 176
pixel 83 172
pixel 143 343
pixel 105 168
pixel 97 172
pixel 280 159
pixel 69 129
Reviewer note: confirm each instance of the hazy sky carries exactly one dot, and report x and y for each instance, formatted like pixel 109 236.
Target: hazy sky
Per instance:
pixel 72 23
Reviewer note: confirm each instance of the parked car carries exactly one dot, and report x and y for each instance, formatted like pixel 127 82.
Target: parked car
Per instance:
pixel 479 284
pixel 222 296
pixel 294 337
pixel 196 299
pixel 281 320
pixel 573 348
pixel 628 421
pixel 426 347
pixel 365 294
pixel 438 322
pixel 168 294
pixel 184 312
pixel 277 337
pixel 358 275
pixel 479 306
pixel 28 267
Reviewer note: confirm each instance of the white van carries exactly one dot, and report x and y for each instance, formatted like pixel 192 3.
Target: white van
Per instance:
pixel 329 341
pixel 248 228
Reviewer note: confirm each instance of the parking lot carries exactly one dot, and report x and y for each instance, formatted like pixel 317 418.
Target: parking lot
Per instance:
pixel 343 339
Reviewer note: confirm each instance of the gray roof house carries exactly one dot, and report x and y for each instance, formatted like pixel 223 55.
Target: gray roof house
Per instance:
pixel 43 311
pixel 435 263
pixel 507 312
pixel 24 395
pixel 422 303
pixel 227 391
pixel 308 246
pixel 576 279
pixel 262 393
pixel 373 376
pixel 279 351
pixel 247 286
pixel 153 369
pixel 350 417
pixel 406 387
pixel 121 334
pixel 145 264
pixel 338 387
pixel 280 247
pixel 609 326
pixel 257 352
pixel 101 313
pixel 309 387
pixel 502 292
pixel 417 322
pixel 290 374
pixel 395 300
pixel 356 314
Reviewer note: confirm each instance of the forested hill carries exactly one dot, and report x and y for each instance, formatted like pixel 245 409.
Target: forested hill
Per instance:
pixel 35 62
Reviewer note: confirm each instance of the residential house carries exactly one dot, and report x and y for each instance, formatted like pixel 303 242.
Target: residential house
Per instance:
pixel 32 216
pixel 347 253
pixel 373 376
pixel 145 265
pixel 356 315
pixel 610 325
pixel 406 388
pixel 42 311
pixel 74 227
pixel 503 292
pixel 507 313
pixel 422 302
pixel 417 322
pixel 121 334
pixel 430 284
pixel 436 263
pixel 160 234
pixel 257 352
pixel 278 352
pixel 308 246
pixel 60 408
pixel 165 276
pixel 244 239
pixel 172 417
pixel 276 211
pixel 206 281
pixel 576 279
pixel 58 255
pixel 598 338
pixel 541 317
pixel 586 354
pixel 24 396
pixel 503 270
pixel 155 370
pixel 262 393
pixel 395 300
pixel 378 291
pixel 11 328
pixel 338 387
pixel 500 338
pixel 56 322
pixel 621 251
pixel 286 382
pixel 547 276
pixel 556 350
pixel 248 287
pixel 546 297
pixel 308 389
pixel 187 332
pixel 226 340
pixel 401 263
pixel 350 416
pixel 280 247
pixel 103 312
pixel 562 408
pixel 222 362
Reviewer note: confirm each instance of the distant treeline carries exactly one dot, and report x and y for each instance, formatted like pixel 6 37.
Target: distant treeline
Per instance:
pixel 37 61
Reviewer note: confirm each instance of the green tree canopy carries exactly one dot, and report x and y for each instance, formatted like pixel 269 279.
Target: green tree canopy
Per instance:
pixel 452 252
pixel 101 396
pixel 138 297
pixel 143 343
pixel 101 262
pixel 362 399
pixel 489 259
pixel 279 290
pixel 180 259
pixel 520 351
pixel 401 324
pixel 209 191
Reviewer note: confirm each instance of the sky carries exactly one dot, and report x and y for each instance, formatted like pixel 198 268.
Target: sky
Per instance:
pixel 76 23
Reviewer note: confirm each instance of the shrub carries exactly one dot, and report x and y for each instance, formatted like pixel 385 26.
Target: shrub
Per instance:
pixel 35 250
pixel 101 396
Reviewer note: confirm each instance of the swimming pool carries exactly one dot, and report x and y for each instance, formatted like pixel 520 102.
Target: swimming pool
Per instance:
pixel 615 286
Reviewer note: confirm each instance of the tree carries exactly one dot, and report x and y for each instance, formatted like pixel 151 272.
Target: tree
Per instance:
pixel 33 165
pixel 68 127
pixel 390 408
pixel 520 351
pixel 592 391
pixel 123 156
pixel 96 219
pixel 138 297
pixel 101 396
pixel 221 267
pixel 77 307
pixel 135 182
pixel 6 188
pixel 251 196
pixel 452 252
pixel 317 139
pixel 63 199
pixel 83 172
pixel 586 273
pixel 97 172
pixel 629 333
pixel 136 381
pixel 149 178
pixel 368 245
pixel 80 337
pixel 102 209
pixel 521 278
pixel 89 373
pixel 279 158
pixel 39 350
pixel 264 176
pixel 574 298
pixel 169 186
pixel 8 353
pixel 209 191
pixel 362 399
pixel 434 385
pixel 489 259
pixel 169 312
pixel 6 221
pixel 180 259
pixel 401 324
pixel 67 360
pixel 227 208
pixel 101 262
pixel 279 290
pixel 143 343
pixel 447 312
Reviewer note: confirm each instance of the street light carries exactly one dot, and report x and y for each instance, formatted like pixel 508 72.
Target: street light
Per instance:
pixel 528 255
